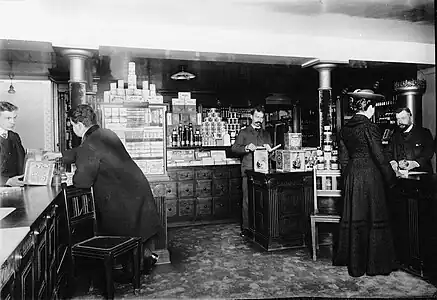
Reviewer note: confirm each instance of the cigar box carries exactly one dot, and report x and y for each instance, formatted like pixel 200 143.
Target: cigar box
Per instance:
pixel 261 160
pixel 290 160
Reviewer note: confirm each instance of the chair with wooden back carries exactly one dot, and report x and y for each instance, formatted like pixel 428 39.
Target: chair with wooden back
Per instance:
pixel 322 189
pixel 85 244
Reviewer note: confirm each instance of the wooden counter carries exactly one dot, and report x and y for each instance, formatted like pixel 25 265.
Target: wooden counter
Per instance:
pixel 413 207
pixel 34 262
pixel 34 242
pixel 280 204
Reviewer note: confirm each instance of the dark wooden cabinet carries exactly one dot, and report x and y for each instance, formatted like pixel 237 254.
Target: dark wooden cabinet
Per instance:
pixel 201 194
pixel 279 208
pixel 413 207
pixel 37 268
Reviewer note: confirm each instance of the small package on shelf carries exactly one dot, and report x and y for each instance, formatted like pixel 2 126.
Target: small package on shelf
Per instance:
pixel 112 86
pixel 145 94
pixel 131 67
pixel 120 84
pixel 145 85
pixel 177 105
pixel 156 99
pixel 184 95
pixel 131 81
pixel 106 96
pixel 190 105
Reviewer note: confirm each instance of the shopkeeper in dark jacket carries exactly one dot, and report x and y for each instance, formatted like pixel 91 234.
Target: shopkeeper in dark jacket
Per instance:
pixel 411 146
pixel 12 152
pixel 247 141
pixel 124 201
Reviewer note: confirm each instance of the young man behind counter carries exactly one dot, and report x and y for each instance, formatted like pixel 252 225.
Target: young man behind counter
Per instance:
pixel 12 152
pixel 247 141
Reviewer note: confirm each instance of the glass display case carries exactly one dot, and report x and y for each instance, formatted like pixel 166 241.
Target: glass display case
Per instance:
pixel 142 129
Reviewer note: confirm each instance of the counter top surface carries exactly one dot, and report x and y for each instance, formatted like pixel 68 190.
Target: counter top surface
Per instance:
pixel 29 203
pixel 10 238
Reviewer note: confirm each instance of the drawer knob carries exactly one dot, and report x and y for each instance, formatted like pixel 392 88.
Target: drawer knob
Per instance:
pixel 169 209
pixel 187 190
pixel 221 205
pixel 168 191
pixel 204 188
pixel 206 206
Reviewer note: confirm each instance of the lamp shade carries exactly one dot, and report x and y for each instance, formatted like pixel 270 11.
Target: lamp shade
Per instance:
pixel 182 75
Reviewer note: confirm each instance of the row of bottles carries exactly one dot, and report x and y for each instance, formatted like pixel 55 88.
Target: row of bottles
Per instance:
pixel 186 136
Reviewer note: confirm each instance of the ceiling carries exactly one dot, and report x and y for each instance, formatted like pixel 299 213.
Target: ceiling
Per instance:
pixel 36 58
pixel 405 10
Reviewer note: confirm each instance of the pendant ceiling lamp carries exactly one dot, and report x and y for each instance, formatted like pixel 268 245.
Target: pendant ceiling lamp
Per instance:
pixel 11 87
pixel 182 75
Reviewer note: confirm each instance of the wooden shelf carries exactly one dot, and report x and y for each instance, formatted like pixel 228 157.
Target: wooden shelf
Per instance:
pixel 200 148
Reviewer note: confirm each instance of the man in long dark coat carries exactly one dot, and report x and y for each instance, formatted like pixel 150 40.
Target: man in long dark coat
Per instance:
pixel 124 201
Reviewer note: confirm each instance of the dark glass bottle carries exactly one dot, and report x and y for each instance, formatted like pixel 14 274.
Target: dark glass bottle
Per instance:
pixel 185 137
pixel 190 135
pixel 174 138
pixel 180 135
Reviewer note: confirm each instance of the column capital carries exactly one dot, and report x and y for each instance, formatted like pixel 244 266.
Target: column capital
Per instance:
pixel 324 67
pixel 76 53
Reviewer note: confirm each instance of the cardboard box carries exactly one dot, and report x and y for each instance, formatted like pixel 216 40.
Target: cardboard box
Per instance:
pixel 184 95
pixel 177 105
pixel 310 158
pixel 134 99
pixel 292 141
pixel 261 160
pixel 175 119
pixel 156 99
pixel 120 84
pixel 290 160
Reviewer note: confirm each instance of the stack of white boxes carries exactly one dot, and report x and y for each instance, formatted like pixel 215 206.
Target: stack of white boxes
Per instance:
pixel 118 94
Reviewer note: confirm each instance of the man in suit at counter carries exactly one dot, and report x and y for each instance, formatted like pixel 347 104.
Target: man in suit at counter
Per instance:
pixel 247 141
pixel 12 152
pixel 411 146
pixel 125 204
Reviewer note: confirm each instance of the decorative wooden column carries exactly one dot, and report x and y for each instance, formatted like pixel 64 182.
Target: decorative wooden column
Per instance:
pixel 78 80
pixel 409 94
pixel 325 97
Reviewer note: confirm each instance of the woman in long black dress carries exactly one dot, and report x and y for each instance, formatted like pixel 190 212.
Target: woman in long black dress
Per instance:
pixel 365 241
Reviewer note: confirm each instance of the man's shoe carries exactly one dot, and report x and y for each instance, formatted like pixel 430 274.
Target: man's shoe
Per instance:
pixel 245 233
pixel 150 262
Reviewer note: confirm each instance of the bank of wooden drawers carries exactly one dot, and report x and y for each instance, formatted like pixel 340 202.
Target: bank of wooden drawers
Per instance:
pixel 203 174
pixel 203 188
pixel 203 193
pixel 204 207
pixel 220 187
pixel 186 189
